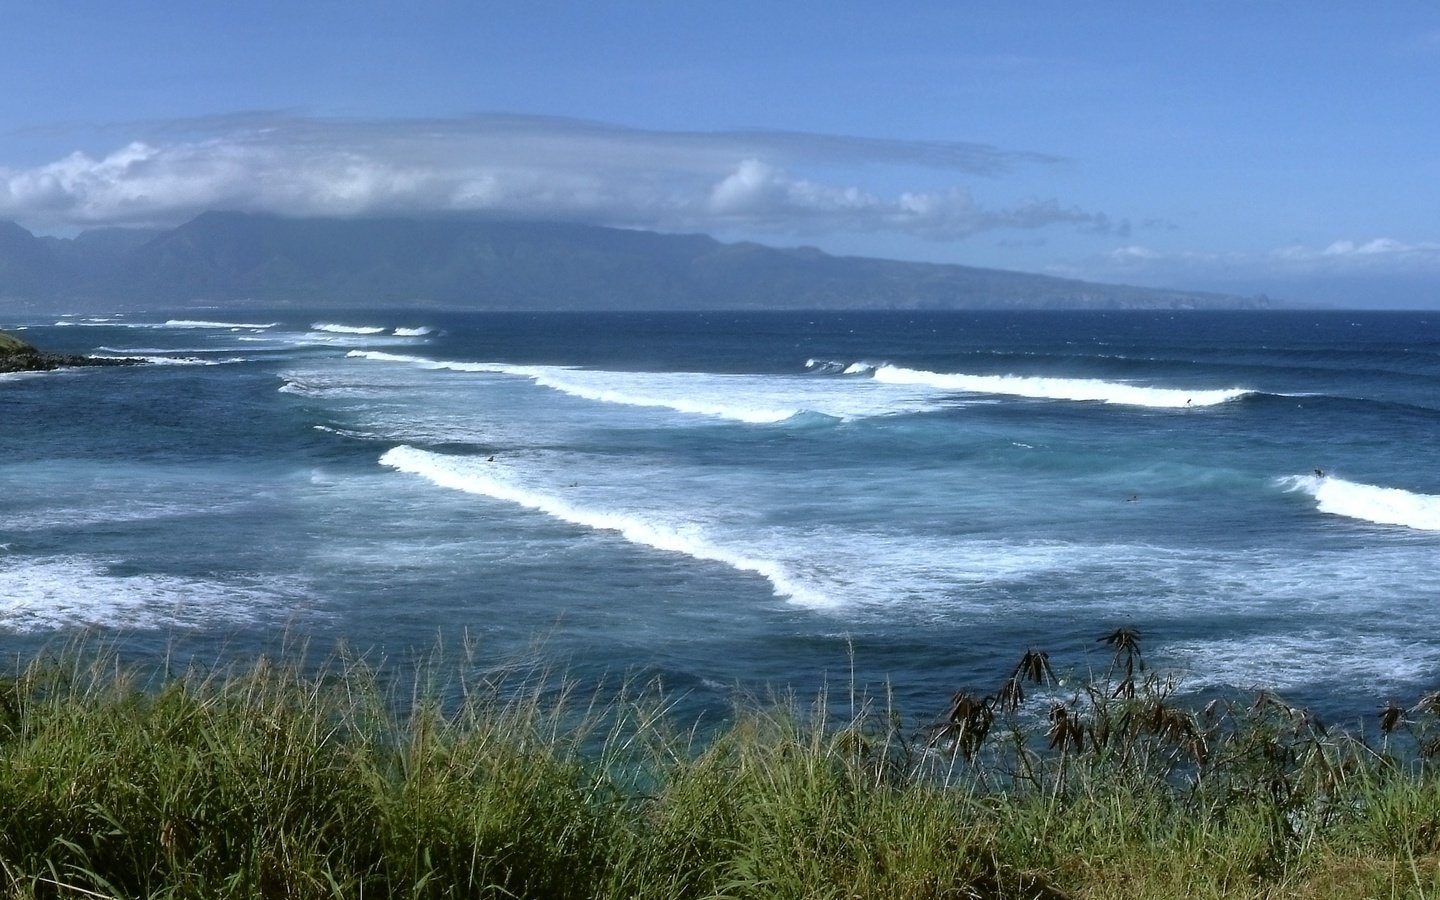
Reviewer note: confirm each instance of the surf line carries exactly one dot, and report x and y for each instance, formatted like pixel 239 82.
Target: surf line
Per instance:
pixel 474 476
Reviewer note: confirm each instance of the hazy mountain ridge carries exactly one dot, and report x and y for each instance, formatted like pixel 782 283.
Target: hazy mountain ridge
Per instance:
pixel 224 257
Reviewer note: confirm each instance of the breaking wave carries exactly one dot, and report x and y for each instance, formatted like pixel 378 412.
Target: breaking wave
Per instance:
pixel 489 480
pixel 1059 388
pixel 767 399
pixel 573 382
pixel 347 329
pixel 1368 502
pixel 197 323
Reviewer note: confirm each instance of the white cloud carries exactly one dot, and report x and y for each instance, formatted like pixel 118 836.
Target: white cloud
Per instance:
pixel 522 166
pixel 1348 272
pixel 1343 256
pixel 1377 252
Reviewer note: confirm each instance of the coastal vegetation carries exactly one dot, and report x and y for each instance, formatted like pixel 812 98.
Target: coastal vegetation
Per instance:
pixel 342 781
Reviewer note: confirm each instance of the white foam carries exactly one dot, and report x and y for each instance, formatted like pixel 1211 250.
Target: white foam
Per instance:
pixel 105 509
pixel 422 362
pixel 1368 502
pixel 1306 659
pixel 413 332
pixel 198 323
pixel 177 360
pixel 486 479
pixel 168 351
pixel 1059 388
pixel 326 384
pixel 50 593
pixel 347 329
pixel 107 323
pixel 768 398
pixel 344 432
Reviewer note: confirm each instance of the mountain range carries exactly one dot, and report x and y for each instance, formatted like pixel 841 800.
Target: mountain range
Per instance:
pixel 230 258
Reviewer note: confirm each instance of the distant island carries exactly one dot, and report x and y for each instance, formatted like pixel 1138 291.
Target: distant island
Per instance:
pixel 233 259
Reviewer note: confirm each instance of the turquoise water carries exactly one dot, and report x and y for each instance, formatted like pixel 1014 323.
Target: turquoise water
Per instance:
pixel 743 500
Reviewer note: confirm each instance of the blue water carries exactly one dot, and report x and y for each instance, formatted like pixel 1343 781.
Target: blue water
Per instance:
pixel 746 501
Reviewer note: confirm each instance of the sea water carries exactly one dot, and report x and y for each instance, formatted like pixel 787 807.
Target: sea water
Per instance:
pixel 743 501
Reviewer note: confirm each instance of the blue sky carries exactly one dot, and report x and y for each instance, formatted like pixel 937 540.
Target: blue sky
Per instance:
pixel 1290 149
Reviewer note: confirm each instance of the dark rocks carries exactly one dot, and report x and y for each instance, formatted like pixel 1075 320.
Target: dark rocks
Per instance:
pixel 18 356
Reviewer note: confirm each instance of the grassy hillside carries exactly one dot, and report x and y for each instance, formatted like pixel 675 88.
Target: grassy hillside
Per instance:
pixel 267 782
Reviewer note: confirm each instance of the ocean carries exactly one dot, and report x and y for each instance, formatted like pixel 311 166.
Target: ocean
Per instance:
pixel 900 502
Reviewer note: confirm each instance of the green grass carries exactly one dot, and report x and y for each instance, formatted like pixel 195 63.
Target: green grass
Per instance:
pixel 9 343
pixel 270 782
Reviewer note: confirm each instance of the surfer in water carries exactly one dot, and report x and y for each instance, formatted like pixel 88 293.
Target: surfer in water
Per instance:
pixel 1319 473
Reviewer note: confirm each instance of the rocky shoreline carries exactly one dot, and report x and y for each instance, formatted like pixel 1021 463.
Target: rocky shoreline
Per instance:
pixel 18 356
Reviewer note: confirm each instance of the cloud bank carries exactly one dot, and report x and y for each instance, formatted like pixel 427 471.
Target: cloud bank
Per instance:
pixel 521 166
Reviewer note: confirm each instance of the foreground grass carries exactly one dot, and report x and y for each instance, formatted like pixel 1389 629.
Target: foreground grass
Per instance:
pixel 271 783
